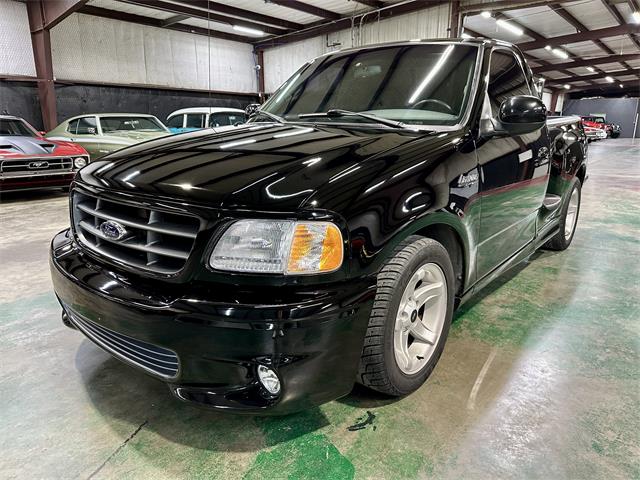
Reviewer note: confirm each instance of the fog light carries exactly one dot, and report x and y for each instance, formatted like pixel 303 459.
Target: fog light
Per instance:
pixel 80 162
pixel 269 379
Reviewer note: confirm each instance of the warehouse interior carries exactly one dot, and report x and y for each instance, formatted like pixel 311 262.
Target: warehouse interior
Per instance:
pixel 540 376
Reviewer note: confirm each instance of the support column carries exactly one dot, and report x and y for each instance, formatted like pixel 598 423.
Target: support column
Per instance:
pixel 261 92
pixel 454 19
pixel 41 44
pixel 554 101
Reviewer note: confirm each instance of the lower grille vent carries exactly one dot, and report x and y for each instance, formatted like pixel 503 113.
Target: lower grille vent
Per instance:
pixel 156 360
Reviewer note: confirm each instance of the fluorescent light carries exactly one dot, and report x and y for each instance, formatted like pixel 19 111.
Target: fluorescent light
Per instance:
pixel 250 31
pixel 432 73
pixel 567 86
pixel 486 14
pixel 466 35
pixel 621 86
pixel 507 26
pixel 560 53
pixel 609 79
pixel 636 17
pixel 591 69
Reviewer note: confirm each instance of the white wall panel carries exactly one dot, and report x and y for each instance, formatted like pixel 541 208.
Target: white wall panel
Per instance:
pixel 16 55
pixel 281 62
pixel 87 48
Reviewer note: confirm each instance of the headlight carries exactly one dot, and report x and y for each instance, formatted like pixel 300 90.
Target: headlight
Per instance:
pixel 279 246
pixel 79 162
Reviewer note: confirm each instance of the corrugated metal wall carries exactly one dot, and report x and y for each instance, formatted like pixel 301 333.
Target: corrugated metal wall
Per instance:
pixel 87 48
pixel 16 55
pixel 281 62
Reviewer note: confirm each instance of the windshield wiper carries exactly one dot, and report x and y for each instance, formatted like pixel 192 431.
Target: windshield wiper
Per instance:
pixel 273 117
pixel 337 112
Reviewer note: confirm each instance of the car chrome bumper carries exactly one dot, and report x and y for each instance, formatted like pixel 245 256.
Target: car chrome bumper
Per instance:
pixel 312 338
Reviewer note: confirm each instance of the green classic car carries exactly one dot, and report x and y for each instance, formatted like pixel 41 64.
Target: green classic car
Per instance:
pixel 104 133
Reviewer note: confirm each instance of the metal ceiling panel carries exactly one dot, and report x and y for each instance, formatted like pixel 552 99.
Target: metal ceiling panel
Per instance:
pixel 343 7
pixel 586 49
pixel 542 20
pixel 610 67
pixel 592 14
pixel 621 44
pixel 132 9
pixel 260 6
pixel 489 28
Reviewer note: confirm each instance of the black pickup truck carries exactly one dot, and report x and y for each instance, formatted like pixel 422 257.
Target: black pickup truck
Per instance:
pixel 327 241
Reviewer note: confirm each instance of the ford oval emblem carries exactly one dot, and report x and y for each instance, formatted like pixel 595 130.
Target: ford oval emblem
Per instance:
pixel 112 230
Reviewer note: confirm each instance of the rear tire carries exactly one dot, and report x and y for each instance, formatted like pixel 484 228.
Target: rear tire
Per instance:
pixel 568 219
pixel 406 336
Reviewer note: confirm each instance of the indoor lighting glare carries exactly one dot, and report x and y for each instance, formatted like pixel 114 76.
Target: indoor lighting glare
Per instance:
pixel 609 79
pixel 621 86
pixel 486 14
pixel 591 69
pixel 507 26
pixel 547 48
pixel 250 31
pixel 466 35
pixel 566 86
pixel 560 53
pixel 432 73
pixel 636 17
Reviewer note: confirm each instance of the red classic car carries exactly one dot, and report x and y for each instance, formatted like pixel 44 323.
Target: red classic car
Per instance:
pixel 598 122
pixel 29 161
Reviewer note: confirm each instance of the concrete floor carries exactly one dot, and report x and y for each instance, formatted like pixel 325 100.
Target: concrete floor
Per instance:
pixel 539 379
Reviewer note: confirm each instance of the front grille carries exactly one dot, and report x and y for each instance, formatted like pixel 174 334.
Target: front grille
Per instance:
pixel 36 165
pixel 152 358
pixel 151 240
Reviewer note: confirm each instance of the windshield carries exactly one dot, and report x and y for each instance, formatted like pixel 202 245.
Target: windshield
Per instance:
pixel 145 124
pixel 227 118
pixel 15 128
pixel 415 84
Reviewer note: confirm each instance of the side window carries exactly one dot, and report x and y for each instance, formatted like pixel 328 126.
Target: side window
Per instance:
pixel 195 120
pixel 175 122
pixel 506 79
pixel 83 126
pixel 223 119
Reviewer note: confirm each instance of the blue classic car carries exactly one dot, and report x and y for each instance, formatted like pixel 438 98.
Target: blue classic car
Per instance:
pixel 189 119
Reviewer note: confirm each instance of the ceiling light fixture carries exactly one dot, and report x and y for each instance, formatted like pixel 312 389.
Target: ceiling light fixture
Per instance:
pixel 547 48
pixel 636 17
pixel 486 14
pixel 507 26
pixel 567 86
pixel 609 79
pixel 250 31
pixel 591 69
pixel 621 86
pixel 560 53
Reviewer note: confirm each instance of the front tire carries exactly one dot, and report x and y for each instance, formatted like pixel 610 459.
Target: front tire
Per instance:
pixel 410 319
pixel 568 219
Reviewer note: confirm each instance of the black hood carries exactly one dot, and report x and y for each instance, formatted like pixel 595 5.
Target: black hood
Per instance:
pixel 258 166
pixel 26 145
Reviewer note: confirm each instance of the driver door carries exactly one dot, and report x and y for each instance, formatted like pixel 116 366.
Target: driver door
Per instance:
pixel 514 171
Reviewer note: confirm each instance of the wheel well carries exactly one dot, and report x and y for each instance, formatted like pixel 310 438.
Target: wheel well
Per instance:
pixel 452 242
pixel 582 172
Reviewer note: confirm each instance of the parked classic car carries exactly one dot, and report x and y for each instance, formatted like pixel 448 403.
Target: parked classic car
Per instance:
pixel 29 161
pixel 190 119
pixel 600 123
pixel 104 133
pixel 267 268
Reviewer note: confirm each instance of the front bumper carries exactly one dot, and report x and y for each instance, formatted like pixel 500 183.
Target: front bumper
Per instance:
pixel 10 183
pixel 311 336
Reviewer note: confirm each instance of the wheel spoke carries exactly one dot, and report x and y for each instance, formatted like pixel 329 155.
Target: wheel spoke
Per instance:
pixel 422 334
pixel 428 293
pixel 402 351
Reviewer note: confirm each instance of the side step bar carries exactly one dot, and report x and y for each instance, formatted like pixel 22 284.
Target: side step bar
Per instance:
pixel 551 202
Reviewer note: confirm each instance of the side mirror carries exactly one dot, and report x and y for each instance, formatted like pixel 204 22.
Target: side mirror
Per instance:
pixel 522 114
pixel 251 109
